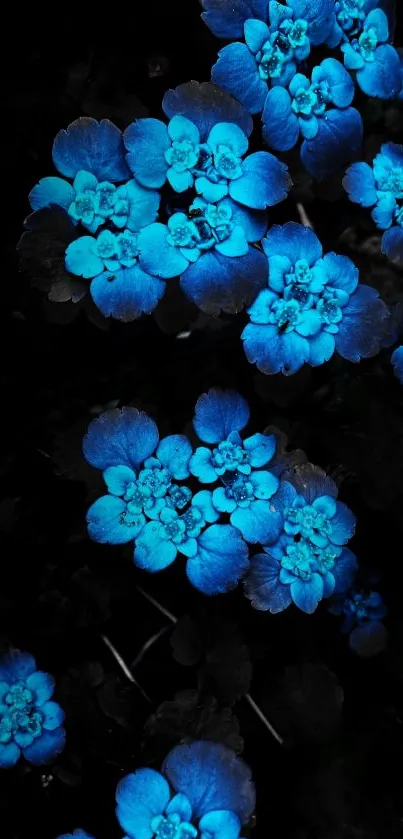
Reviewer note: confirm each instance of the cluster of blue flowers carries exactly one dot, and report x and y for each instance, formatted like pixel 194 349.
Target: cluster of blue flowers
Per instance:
pixel 251 500
pixel 30 723
pixel 204 791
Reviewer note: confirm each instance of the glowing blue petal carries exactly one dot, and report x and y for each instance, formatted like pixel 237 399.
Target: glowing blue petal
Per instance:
pixel 226 19
pixel 224 283
pixel 220 824
pixel 310 323
pixel 280 124
pixel 328 584
pixel 53 716
pixel 210 191
pixel 253 222
pixel 127 293
pixel 51 191
pixel 318 13
pixel 222 502
pixel 212 778
pixel 122 436
pixel 363 325
pixel 343 524
pixel 108 522
pixel 236 72
pixel 340 271
pixel 341 85
pixel 397 361
pixel 180 804
pixel 96 147
pixel 384 210
pixel 345 570
pixel 200 466
pixel 259 311
pixel 46 748
pixel 156 255
pixel 118 478
pixel 81 258
pixel 278 13
pixel 359 183
pixel 306 594
pixel 377 20
pixel 273 351
pixel 217 414
pixel 235 245
pixel 263 587
pixel 152 553
pixel 16 665
pixel 228 134
pixel 175 452
pixel 221 560
pixel 261 448
pixel 143 205
pixel 42 685
pixel 180 181
pixel 258 523
pixel 9 754
pixel 353 59
pixel 392 244
pixel 146 141
pixel 180 128
pixel 256 33
pixel 206 104
pixel 140 797
pixel 321 348
pixel 264 484
pixel 293 241
pixel 265 181
pixel 203 500
pixel 338 141
pixel 381 77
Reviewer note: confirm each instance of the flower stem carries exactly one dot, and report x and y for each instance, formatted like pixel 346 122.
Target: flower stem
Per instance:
pixel 262 717
pixel 122 664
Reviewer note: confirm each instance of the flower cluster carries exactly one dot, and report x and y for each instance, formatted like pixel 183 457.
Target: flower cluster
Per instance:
pixel 380 187
pixel 30 723
pixel 248 502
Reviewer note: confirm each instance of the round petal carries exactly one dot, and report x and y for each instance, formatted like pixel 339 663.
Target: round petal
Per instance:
pixel 151 552
pixel 293 241
pixel 200 466
pixel 109 523
pixel 253 222
pixel 53 716
pixel 203 500
pixel 261 448
pixel 117 479
pixel 265 181
pixel 222 502
pixel 212 778
pixel 306 594
pixel 143 205
pixel 259 311
pixel 42 685
pixel 218 413
pixel 258 523
pixel 343 524
pixel 392 244
pixel 228 134
pixel 384 210
pixel 146 141
pixel 362 328
pixel 338 141
pixel 256 33
pixel 51 191
pixel 321 348
pixel 180 804
pixel 9 754
pixel 341 85
pixel 274 352
pixel 221 560
pixel 181 128
pixel 236 72
pixel 175 452
pixel 235 245
pixel 381 77
pixel 120 437
pixel 280 123
pixel 217 282
pixel 127 293
pixel 141 796
pixel 81 258
pixel 206 104
pixel 16 665
pixel 156 255
pixel 220 824
pixel 96 147
pixel 359 183
pixel 46 748
pixel 265 484
pixel 263 587
pixel 339 272
pixel 319 15
pixel 310 324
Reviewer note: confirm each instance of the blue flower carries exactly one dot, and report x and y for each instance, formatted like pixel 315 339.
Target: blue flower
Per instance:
pixel 309 560
pixel 245 488
pixel 397 361
pixel 77 834
pixel 30 723
pixel 362 614
pixel 380 186
pixel 278 38
pixel 313 305
pixel 316 109
pixel 203 790
pixel 146 505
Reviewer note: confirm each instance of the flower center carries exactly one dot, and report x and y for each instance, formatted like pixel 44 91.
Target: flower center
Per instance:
pixel 21 716
pixel 171 827
pixel 182 155
pixel 241 491
pixel 227 163
pixel 286 314
pixel 230 457
pixel 121 248
pixel 180 496
pixel 329 310
pixel 299 560
pixel 367 43
pixel 350 14
pixel 270 62
pixel 203 228
pixel 309 521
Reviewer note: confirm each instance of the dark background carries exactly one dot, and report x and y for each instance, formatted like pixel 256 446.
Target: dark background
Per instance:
pixel 339 773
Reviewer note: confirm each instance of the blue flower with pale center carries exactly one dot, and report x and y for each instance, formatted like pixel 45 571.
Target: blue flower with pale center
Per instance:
pixel 88 201
pixel 316 109
pixel 202 792
pixel 30 724
pixel 277 38
pixel 145 504
pixel 313 305
pixel 380 187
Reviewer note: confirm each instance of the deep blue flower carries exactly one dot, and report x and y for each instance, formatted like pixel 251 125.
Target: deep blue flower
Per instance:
pixel 146 505
pixel 362 614
pixel 77 834
pixel 380 186
pixel 364 32
pixel 397 361
pixel 30 724
pixel 278 37
pixel 313 306
pixel 316 109
pixel 245 487
pixel 203 791
pixel 309 560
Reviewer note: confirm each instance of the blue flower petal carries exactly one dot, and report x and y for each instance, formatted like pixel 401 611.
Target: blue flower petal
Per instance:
pixel 81 258
pixel 127 293
pixel 109 523
pixel 318 13
pixel 209 191
pixel 293 241
pixel 152 553
pixel 368 639
pixel 220 824
pixel 308 127
pixel 365 319
pixel 376 19
pixel 273 351
pixel 235 245
pixel 306 594
pixel 236 72
pixel 340 271
pixel 344 571
pixel 228 134
pixel 359 183
pixel 261 448
pixel 338 141
pixel 225 283
pixel 265 484
pixel 353 59
pixel 256 33
pixel 221 560
pixel 341 85
pixel 203 500
pixel 206 104
pixel 280 124
pixel 397 361
pixel 321 348
pixel 310 323
pixel 175 452
pixel 226 19
pixel 381 77
pixel 180 804
pixel 156 255
pixel 200 466
pixel 217 414
pixel 180 181
pixel 253 222
pixel 180 128
pixel 9 755
pixel 77 834
pixel 120 437
pixel 42 685
pixel 328 584
pixel 51 191
pixel 96 147
pixel 258 523
pixel 384 210
pixel 16 665
pixel 141 796
pixel 53 716
pixel 212 778
pixel 146 141
pixel 46 748
pixel 259 311
pixel 343 524
pixel 265 181
pixel 263 587
pixel 143 205
pixel 222 502
pixel 392 244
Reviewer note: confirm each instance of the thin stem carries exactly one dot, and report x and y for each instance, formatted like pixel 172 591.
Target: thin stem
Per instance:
pixel 262 717
pixel 149 644
pixel 122 664
pixel 304 216
pixel 158 605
